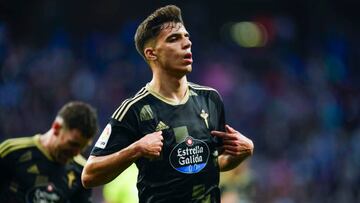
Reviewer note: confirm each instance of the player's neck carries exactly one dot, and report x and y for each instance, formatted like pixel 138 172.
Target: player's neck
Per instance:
pixel 170 88
pixel 45 141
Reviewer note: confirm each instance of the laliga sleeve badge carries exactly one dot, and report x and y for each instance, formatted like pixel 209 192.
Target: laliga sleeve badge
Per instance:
pixel 104 137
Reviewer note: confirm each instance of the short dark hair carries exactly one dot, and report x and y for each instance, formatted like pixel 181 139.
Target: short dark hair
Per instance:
pixel 152 25
pixel 81 116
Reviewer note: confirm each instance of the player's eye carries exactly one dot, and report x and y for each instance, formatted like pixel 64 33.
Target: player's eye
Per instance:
pixel 172 39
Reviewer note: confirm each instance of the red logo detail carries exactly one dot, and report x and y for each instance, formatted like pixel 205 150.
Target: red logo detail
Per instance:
pixel 50 188
pixel 189 142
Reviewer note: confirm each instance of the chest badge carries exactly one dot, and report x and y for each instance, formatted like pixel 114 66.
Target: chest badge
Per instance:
pixel 71 178
pixel 205 116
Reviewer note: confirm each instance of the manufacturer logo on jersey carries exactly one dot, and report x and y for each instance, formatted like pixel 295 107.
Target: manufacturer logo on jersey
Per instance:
pixel 33 169
pixel 189 156
pixel 104 137
pixel 161 126
pixel 41 194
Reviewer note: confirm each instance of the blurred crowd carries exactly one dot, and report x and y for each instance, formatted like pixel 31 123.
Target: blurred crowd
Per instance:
pixel 298 101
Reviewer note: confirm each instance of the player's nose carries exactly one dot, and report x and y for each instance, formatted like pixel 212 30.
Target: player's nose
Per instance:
pixel 187 43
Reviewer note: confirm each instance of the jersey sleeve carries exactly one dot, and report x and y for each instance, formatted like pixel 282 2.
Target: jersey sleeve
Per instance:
pixel 83 196
pixel 117 135
pixel 220 110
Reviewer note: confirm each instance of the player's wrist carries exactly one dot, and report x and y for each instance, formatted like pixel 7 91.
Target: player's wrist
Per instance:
pixel 137 150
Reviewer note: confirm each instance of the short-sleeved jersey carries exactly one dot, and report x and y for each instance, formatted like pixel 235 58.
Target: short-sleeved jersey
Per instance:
pixel 187 169
pixel 28 174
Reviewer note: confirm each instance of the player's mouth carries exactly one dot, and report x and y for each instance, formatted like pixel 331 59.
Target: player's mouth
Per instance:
pixel 188 58
pixel 63 158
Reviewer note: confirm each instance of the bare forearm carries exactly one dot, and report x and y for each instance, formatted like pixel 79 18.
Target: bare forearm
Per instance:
pixel 100 170
pixel 229 162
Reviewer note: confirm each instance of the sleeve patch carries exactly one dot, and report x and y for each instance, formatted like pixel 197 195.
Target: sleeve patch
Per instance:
pixel 104 137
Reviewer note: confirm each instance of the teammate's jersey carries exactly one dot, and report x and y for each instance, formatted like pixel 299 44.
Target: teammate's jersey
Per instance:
pixel 187 170
pixel 28 175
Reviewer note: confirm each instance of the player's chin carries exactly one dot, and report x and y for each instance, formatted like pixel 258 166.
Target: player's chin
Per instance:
pixel 188 68
pixel 183 70
pixel 63 159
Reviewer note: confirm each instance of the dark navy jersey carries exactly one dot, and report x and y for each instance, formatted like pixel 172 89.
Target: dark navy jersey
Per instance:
pixel 187 169
pixel 28 175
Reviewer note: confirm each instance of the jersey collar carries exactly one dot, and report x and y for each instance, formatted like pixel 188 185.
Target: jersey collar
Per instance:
pixel 167 100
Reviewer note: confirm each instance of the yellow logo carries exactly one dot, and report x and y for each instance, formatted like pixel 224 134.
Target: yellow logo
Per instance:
pixel 33 169
pixel 71 177
pixel 161 126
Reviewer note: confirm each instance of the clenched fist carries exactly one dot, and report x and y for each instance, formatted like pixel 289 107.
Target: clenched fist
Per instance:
pixel 150 145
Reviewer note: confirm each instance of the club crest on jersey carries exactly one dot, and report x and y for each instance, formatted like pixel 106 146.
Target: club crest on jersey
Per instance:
pixel 189 156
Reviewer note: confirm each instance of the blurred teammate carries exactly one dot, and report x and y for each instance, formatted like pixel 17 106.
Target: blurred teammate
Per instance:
pixel 173 130
pixel 47 168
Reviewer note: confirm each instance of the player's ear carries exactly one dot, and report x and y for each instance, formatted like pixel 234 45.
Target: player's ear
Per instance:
pixel 150 54
pixel 56 126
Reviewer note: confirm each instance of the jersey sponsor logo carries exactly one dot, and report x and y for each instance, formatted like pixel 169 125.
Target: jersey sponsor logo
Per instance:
pixel 44 194
pixel 189 156
pixel 104 137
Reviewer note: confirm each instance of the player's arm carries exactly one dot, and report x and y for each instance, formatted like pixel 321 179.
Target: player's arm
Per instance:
pixel 100 170
pixel 236 148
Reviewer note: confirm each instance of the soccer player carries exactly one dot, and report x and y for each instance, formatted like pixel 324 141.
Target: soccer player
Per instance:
pixel 47 167
pixel 172 129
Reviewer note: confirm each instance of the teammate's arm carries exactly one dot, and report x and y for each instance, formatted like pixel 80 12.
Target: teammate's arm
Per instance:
pixel 236 148
pixel 100 170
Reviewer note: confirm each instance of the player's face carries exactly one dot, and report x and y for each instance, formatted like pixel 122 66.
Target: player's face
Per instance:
pixel 173 49
pixel 69 144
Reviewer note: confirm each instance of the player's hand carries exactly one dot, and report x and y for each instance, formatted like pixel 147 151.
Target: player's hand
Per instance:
pixel 234 143
pixel 150 145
